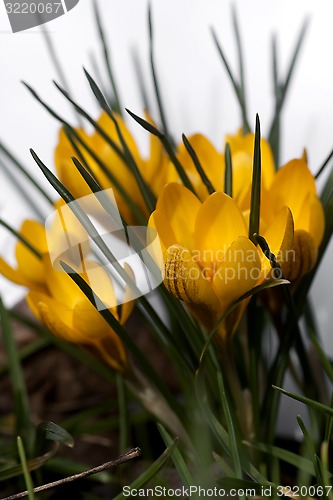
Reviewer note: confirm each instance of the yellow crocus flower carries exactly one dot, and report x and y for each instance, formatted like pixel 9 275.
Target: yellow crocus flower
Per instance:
pixel 212 161
pixel 152 169
pixel 294 186
pixel 69 315
pixel 58 302
pixel 242 148
pixel 209 261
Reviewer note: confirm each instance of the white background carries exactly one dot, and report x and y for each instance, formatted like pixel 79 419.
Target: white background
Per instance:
pixel 196 91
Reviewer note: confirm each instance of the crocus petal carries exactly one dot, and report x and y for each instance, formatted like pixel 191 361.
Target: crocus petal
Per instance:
pixel 67 173
pixel 186 280
pixel 112 351
pixel 155 167
pixel 291 185
pixel 61 287
pixel 56 317
pixel 66 237
pixel 304 256
pixel 218 223
pixel 239 271
pixel 210 159
pixel 242 148
pixel 175 215
pixel 155 245
pixel 17 277
pixel 79 326
pixel 127 302
pixel 99 280
pixel 88 322
pixel 29 265
pixel 109 128
pixel 312 218
pixel 279 236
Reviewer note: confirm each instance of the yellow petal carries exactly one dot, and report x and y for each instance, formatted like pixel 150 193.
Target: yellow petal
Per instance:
pixel 80 326
pixel 17 277
pixel 61 287
pixel 239 271
pixel 155 167
pixel 67 173
pixel 112 351
pixel 175 214
pixel 29 265
pixel 109 127
pixel 312 218
pixel 242 148
pixel 304 256
pixel 57 317
pixel 218 223
pixel 66 238
pixel 186 280
pixel 279 236
pixel 116 165
pixel 127 302
pixel 291 186
pixel 155 245
pixel 88 322
pixel 211 161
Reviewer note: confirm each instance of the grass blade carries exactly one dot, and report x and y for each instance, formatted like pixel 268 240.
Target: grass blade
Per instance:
pixel 246 128
pixel 256 186
pixel 233 439
pixel 21 238
pixel 107 58
pixel 196 162
pixel 287 456
pixel 145 191
pixel 285 86
pixel 275 136
pixel 177 458
pixel 325 163
pixel 20 187
pixel 24 426
pixel 123 418
pixel 315 405
pixel 154 75
pixel 57 65
pixel 235 84
pixel 27 477
pixel 167 146
pixel 152 471
pixel 25 173
pixel 228 171
pixel 140 78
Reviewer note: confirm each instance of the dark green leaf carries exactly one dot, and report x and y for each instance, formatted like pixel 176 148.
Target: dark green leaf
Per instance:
pixel 107 58
pixel 144 188
pixel 167 146
pixel 24 426
pixel 228 171
pixel 256 185
pixel 196 162
pixel 54 432
pixel 315 405
pixel 154 75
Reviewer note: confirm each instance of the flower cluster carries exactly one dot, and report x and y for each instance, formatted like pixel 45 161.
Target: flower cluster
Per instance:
pixel 56 300
pixel 208 258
